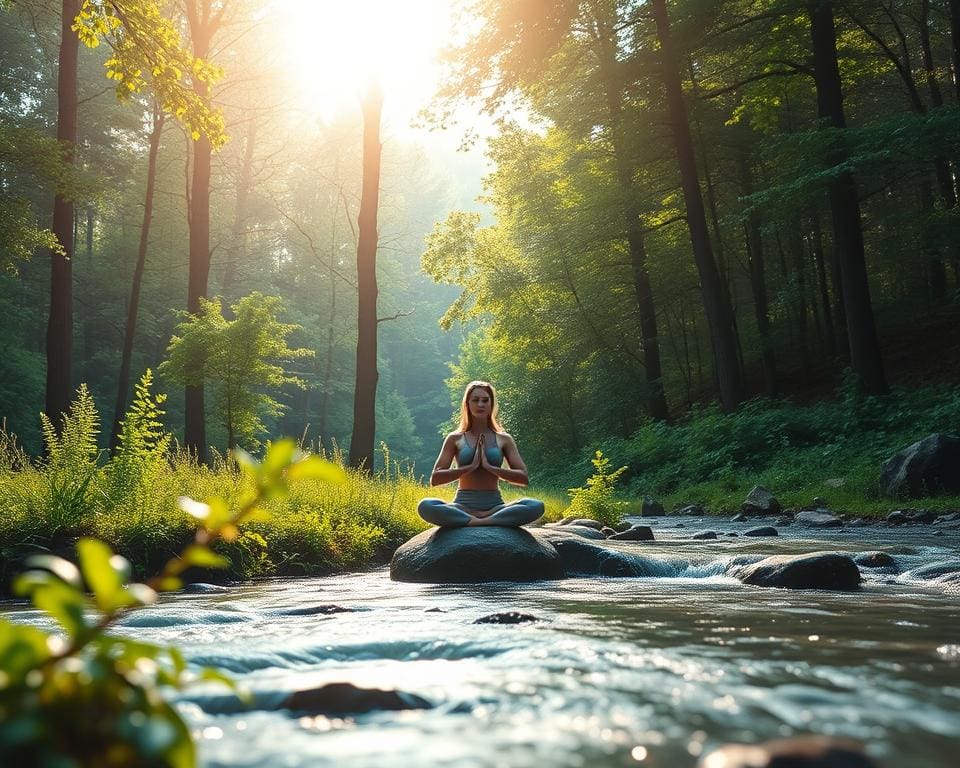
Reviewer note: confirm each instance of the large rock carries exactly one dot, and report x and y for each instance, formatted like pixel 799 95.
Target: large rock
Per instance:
pixel 796 752
pixel 931 465
pixel 761 502
pixel 586 522
pixel 820 570
pixel 650 507
pixel 584 558
pixel 475 554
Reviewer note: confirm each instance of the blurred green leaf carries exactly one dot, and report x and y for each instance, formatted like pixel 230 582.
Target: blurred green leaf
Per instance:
pixel 53 595
pixel 101 576
pixel 277 458
pixel 315 468
pixel 204 557
pixel 57 565
pixel 194 508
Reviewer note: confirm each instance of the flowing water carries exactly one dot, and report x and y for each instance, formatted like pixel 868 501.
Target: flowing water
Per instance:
pixel 615 672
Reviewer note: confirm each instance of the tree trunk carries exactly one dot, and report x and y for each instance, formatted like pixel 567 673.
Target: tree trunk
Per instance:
pixel 758 286
pixel 202 26
pixel 60 322
pixel 865 356
pixel 816 247
pixel 955 41
pixel 715 303
pixel 656 402
pixel 365 390
pixel 89 231
pixel 130 329
pixel 795 247
pixel 236 255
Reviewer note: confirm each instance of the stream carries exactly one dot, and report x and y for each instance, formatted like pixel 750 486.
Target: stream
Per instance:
pixel 614 672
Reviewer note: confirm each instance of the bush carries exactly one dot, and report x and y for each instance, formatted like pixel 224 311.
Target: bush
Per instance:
pixel 595 499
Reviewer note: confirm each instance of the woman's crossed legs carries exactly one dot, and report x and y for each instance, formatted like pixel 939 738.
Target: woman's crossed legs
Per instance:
pixel 448 515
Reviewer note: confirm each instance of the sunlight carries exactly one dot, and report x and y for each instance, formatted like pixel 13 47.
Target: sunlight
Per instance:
pixel 334 48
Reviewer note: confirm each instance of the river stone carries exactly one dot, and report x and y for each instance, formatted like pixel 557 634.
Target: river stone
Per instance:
pixel 623 525
pixel 896 518
pixel 818 519
pixel 691 510
pixel 347 699
pixel 200 588
pixel 704 535
pixel 584 531
pixel 315 610
pixel 608 531
pixel 474 554
pixel 584 558
pixel 874 560
pixel 634 533
pixel 763 530
pixel 761 502
pixel 651 507
pixel 584 522
pixel 928 466
pixel 819 570
pixel 796 752
pixel 738 518
pixel 507 617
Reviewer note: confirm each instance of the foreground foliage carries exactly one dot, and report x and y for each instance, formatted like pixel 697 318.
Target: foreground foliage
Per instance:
pixel 80 697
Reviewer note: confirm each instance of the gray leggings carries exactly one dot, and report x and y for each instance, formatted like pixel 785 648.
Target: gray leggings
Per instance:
pixel 444 514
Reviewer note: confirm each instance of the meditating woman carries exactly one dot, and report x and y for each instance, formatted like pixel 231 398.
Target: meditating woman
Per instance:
pixel 479 446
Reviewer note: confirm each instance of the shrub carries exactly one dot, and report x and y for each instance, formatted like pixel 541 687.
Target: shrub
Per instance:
pixel 595 499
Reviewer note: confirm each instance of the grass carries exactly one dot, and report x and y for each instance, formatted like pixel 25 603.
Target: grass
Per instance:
pixel 831 449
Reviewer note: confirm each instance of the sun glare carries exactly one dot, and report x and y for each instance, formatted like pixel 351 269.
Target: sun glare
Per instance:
pixel 334 47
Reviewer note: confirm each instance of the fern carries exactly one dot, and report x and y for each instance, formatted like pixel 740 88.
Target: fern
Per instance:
pixel 595 499
pixel 71 466
pixel 141 434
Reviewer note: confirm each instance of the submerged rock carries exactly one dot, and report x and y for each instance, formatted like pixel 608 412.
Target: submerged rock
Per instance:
pixel 928 466
pixel 761 502
pixel 796 752
pixel 763 530
pixel 704 535
pixel 583 558
pixel 314 610
pixel 634 533
pixel 476 554
pixel 584 522
pixel 507 617
pixel 347 699
pixel 874 560
pixel 691 510
pixel 820 570
pixel 200 588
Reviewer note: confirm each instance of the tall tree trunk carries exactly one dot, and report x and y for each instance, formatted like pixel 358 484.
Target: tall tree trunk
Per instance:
pixel 130 330
pixel 60 322
pixel 816 247
pixel 865 356
pixel 717 306
pixel 758 286
pixel 203 23
pixel 955 44
pixel 795 247
pixel 237 253
pixel 656 401
pixel 89 231
pixel 365 390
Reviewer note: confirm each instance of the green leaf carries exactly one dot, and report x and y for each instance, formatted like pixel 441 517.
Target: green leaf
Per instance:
pixel 64 569
pixel 204 557
pixel 55 597
pixel 315 468
pixel 103 579
pixel 278 457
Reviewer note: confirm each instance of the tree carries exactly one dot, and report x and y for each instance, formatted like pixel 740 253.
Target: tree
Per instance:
pixel 844 205
pixel 239 358
pixel 365 390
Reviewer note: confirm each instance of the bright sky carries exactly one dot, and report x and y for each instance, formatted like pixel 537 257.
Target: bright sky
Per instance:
pixel 335 46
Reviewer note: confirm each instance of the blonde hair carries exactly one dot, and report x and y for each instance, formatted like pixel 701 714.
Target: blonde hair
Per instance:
pixel 466 420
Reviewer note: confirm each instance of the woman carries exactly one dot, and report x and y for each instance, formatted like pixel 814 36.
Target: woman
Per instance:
pixel 479 446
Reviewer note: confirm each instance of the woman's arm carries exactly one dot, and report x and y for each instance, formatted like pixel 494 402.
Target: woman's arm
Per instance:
pixel 442 473
pixel 517 471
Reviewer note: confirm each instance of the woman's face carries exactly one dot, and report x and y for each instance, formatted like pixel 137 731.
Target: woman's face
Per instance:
pixel 480 403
